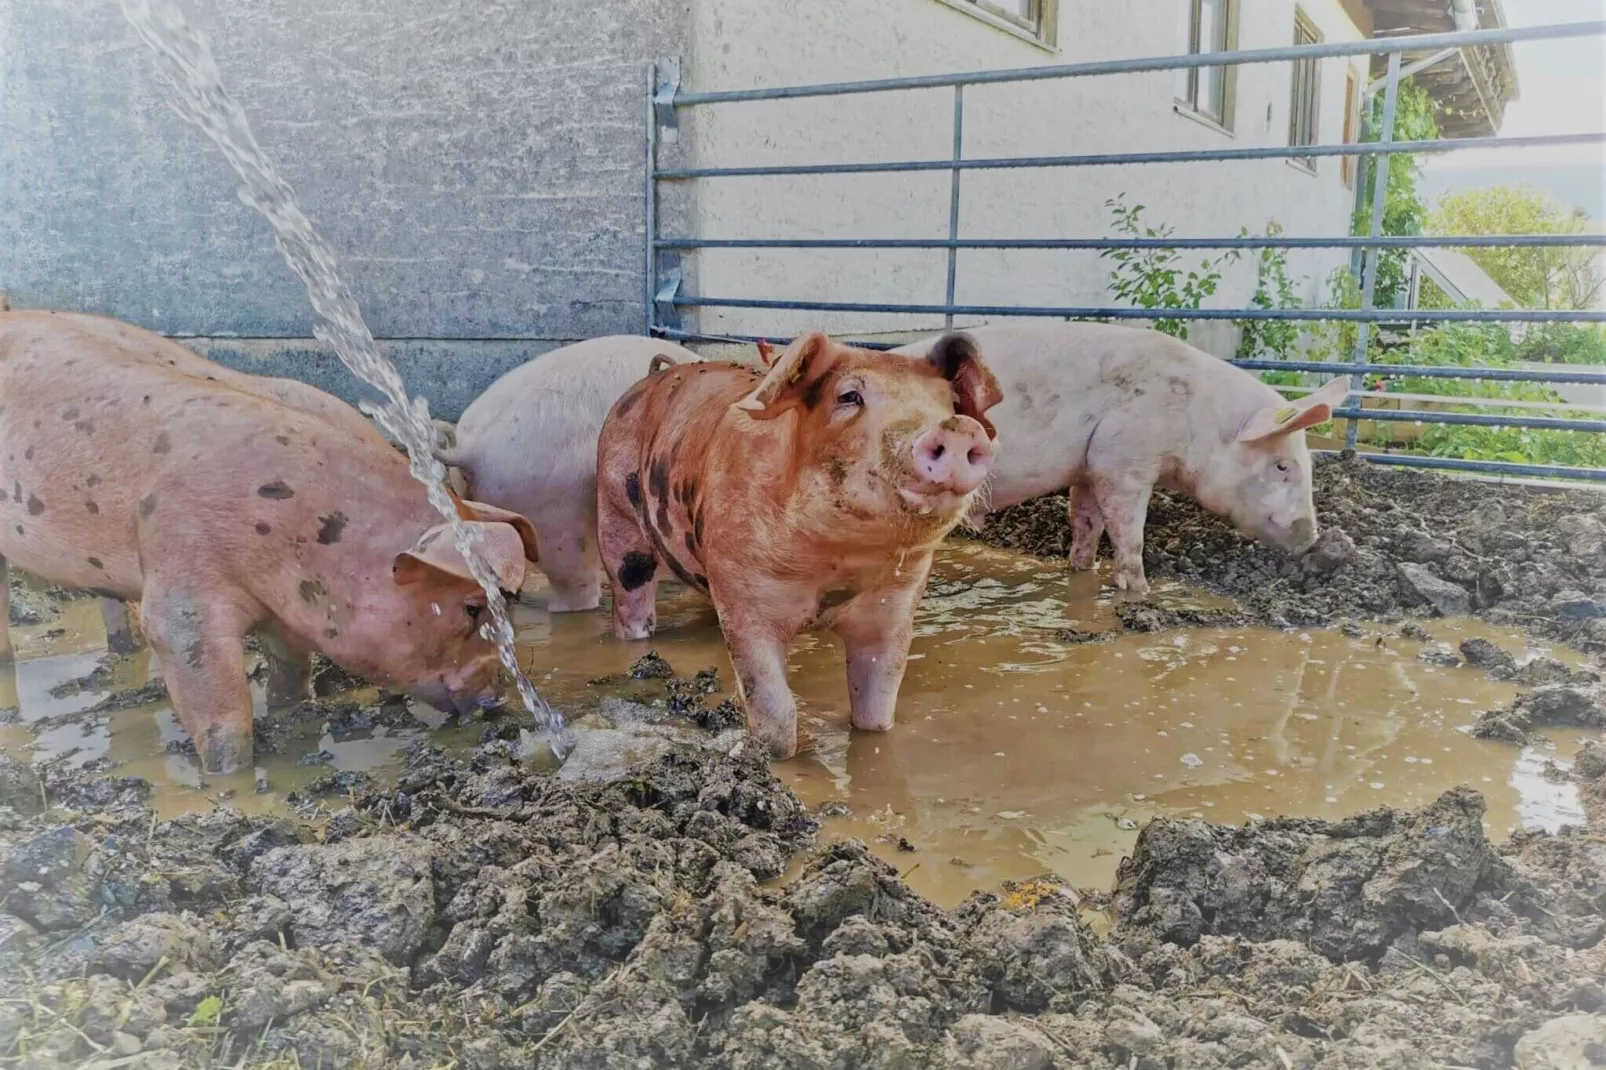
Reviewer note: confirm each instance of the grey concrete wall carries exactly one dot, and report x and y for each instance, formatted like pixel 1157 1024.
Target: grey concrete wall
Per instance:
pixel 476 163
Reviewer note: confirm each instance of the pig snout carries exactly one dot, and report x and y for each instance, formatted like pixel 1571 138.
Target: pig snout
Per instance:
pixel 956 455
pixel 475 687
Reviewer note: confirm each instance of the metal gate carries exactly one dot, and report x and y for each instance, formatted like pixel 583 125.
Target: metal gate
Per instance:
pixel 667 294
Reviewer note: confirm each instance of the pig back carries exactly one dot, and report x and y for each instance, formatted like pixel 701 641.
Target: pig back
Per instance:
pixel 98 439
pixel 1065 382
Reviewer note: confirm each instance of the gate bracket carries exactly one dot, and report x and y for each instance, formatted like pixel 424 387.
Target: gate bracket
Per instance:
pixel 663 99
pixel 665 312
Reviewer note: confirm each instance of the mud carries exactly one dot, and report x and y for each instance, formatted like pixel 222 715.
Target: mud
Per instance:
pixel 482 913
pixel 1396 543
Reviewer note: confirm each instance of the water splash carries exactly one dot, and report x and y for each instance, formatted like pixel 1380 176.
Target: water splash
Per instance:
pixel 186 64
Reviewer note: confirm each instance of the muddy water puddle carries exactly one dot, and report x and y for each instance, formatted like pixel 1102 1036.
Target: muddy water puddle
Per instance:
pixel 1018 750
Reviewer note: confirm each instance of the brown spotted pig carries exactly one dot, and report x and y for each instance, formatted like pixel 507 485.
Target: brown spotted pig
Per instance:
pixel 808 496
pixel 226 504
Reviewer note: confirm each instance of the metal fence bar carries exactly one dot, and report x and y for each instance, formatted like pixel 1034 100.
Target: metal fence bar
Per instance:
pixel 1380 184
pixel 1404 371
pixel 650 201
pixel 1457 464
pixel 1430 371
pixel 1365 47
pixel 1385 241
pixel 1354 413
pixel 953 198
pixel 1109 159
pixel 1352 315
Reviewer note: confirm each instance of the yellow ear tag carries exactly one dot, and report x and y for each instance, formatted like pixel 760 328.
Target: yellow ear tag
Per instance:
pixel 1282 416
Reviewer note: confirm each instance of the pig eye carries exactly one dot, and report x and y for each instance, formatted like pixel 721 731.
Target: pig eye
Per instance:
pixel 473 609
pixel 1282 466
pixel 850 397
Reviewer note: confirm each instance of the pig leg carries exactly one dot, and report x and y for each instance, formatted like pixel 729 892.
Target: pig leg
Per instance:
pixel 876 626
pixel 1087 528
pixel 6 653
pixel 289 671
pixel 566 533
pixel 632 567
pixel 202 648
pixel 121 636
pixel 759 620
pixel 1125 505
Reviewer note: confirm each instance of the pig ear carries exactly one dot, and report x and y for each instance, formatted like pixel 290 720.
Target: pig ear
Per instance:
pixel 1312 409
pixel 436 553
pixel 766 353
pixel 975 388
pixel 792 379
pixel 471 510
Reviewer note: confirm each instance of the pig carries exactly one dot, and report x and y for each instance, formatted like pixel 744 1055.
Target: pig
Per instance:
pixel 1112 412
pixel 225 505
pixel 529 444
pixel 810 495
pixel 122 636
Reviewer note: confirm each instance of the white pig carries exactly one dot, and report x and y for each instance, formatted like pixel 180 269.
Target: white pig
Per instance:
pixel 531 438
pixel 1112 412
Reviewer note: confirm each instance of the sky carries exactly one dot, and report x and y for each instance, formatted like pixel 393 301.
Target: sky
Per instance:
pixel 1562 87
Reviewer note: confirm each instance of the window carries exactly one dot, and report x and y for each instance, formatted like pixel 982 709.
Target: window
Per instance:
pixel 1307 97
pixel 1352 124
pixel 1208 26
pixel 1035 20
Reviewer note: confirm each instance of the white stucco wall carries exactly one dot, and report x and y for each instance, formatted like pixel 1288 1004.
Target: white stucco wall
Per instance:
pixel 783 42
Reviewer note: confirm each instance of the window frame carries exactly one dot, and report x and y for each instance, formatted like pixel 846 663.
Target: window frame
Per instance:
pixel 1040 29
pixel 1305 79
pixel 1352 123
pixel 1187 93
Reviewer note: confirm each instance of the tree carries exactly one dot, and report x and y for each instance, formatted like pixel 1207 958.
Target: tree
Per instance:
pixel 1535 277
pixel 1403 210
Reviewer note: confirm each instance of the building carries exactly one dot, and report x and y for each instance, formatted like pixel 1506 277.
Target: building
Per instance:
pixel 480 164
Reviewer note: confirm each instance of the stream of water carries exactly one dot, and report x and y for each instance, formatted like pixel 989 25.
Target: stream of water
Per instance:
pixel 186 64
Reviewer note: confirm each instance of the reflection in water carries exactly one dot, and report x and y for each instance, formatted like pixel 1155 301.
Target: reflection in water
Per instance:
pixel 1016 752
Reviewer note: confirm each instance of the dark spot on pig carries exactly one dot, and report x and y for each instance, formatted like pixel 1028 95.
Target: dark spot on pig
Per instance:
pixel 16 492
pixel 92 481
pixel 94 509
pixel 263 527
pixel 146 400
pixel 658 479
pixel 691 543
pixel 147 506
pixel 163 443
pixel 330 528
pixel 663 517
pixel 19 529
pixel 278 490
pixel 85 426
pixel 35 506
pixel 283 440
pixel 633 489
pixel 36 423
pixel 27 454
pixel 836 469
pixel 636 569
pixel 312 590
pixel 94 562
pixel 70 414
pixel 331 633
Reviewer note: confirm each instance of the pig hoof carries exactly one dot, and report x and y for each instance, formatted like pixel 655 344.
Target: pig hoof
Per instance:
pixel 628 632
pixel 872 724
pixel 224 750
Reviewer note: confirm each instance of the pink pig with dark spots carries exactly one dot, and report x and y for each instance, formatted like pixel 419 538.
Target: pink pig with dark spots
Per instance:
pixel 226 504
